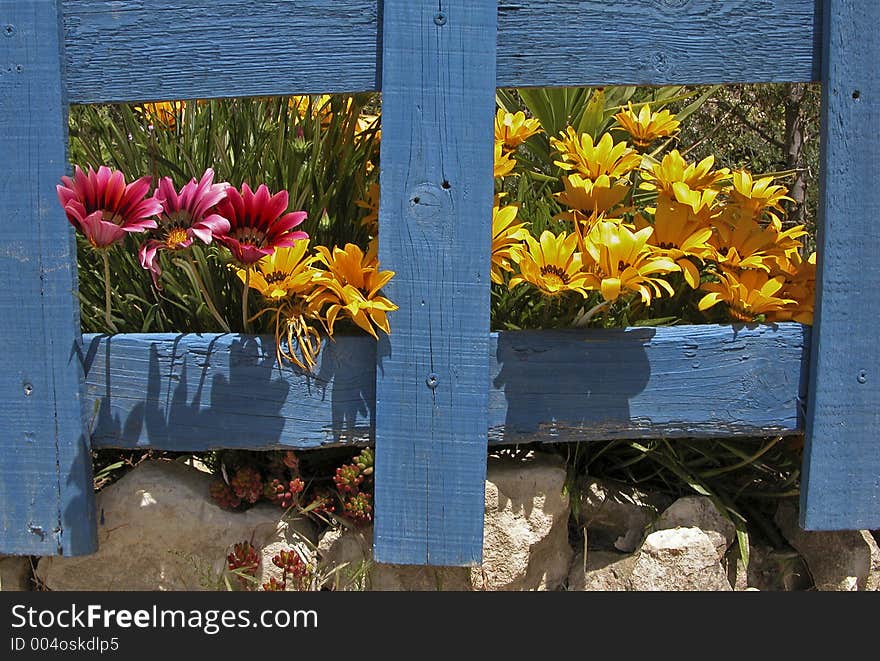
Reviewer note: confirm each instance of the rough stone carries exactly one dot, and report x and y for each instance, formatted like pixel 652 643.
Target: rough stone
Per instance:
pixel 346 560
pixel 525 539
pixel 678 559
pixel 15 573
pixel 842 561
pixel 699 512
pixel 605 571
pixel 616 516
pixel 160 530
pixel 770 570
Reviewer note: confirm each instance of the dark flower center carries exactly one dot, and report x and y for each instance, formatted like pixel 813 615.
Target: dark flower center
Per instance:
pixel 553 270
pixel 274 276
pixel 249 235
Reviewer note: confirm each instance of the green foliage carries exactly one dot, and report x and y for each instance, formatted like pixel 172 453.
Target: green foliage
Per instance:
pixel 316 157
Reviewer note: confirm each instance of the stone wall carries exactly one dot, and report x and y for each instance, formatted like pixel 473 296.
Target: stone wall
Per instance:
pixel 160 530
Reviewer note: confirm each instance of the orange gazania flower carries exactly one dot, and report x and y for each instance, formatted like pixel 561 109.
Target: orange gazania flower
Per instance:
pixel 371 204
pixel 163 114
pixel 350 286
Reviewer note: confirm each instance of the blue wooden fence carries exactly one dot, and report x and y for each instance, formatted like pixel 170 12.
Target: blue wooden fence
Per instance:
pixel 442 386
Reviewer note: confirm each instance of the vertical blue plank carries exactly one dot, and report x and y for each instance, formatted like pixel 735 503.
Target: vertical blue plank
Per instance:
pixel 438 96
pixel 841 481
pixel 46 500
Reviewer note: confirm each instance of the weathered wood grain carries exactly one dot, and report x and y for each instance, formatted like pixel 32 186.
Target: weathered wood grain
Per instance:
pixel 192 393
pixel 46 502
pixel 841 482
pixel 432 386
pixel 137 50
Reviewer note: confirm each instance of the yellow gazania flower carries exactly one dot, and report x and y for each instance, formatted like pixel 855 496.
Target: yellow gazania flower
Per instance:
pixel 680 235
pixel 368 125
pixel 163 114
pixel 618 259
pixel 749 294
pixel 507 238
pixel 286 272
pixel 745 244
pixel 590 197
pixel 504 164
pixel 318 106
pixel 646 126
pixel 800 285
pixel 754 197
pixel 351 285
pixel 364 309
pixel 551 263
pixel 512 129
pixel 371 204
pixel 701 202
pixel 605 157
pixel 673 168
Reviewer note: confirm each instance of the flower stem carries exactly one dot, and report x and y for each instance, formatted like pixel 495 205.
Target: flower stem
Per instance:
pixel 244 300
pixel 194 271
pixel 108 319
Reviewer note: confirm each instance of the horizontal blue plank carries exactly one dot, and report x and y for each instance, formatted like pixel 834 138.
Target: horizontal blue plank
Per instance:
pixel 199 392
pixel 137 50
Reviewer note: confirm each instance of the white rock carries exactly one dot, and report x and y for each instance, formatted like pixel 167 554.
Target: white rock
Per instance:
pixel 605 571
pixel 525 543
pixel 847 560
pixel 616 515
pixel 678 559
pixel 160 530
pixel 525 538
pixel 15 573
pixel 699 512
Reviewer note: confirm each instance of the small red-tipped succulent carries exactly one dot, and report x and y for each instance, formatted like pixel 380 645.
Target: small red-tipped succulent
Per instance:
pixel 293 567
pixel 322 503
pixel 274 585
pixel 359 507
pixel 283 493
pixel 244 561
pixel 223 495
pixel 348 479
pixel 247 484
pixel 365 461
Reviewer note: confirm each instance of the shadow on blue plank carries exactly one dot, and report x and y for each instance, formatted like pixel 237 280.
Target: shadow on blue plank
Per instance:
pixel 199 392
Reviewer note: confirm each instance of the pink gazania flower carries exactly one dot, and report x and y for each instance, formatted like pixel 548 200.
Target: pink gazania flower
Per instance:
pixel 258 223
pixel 183 217
pixel 103 207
